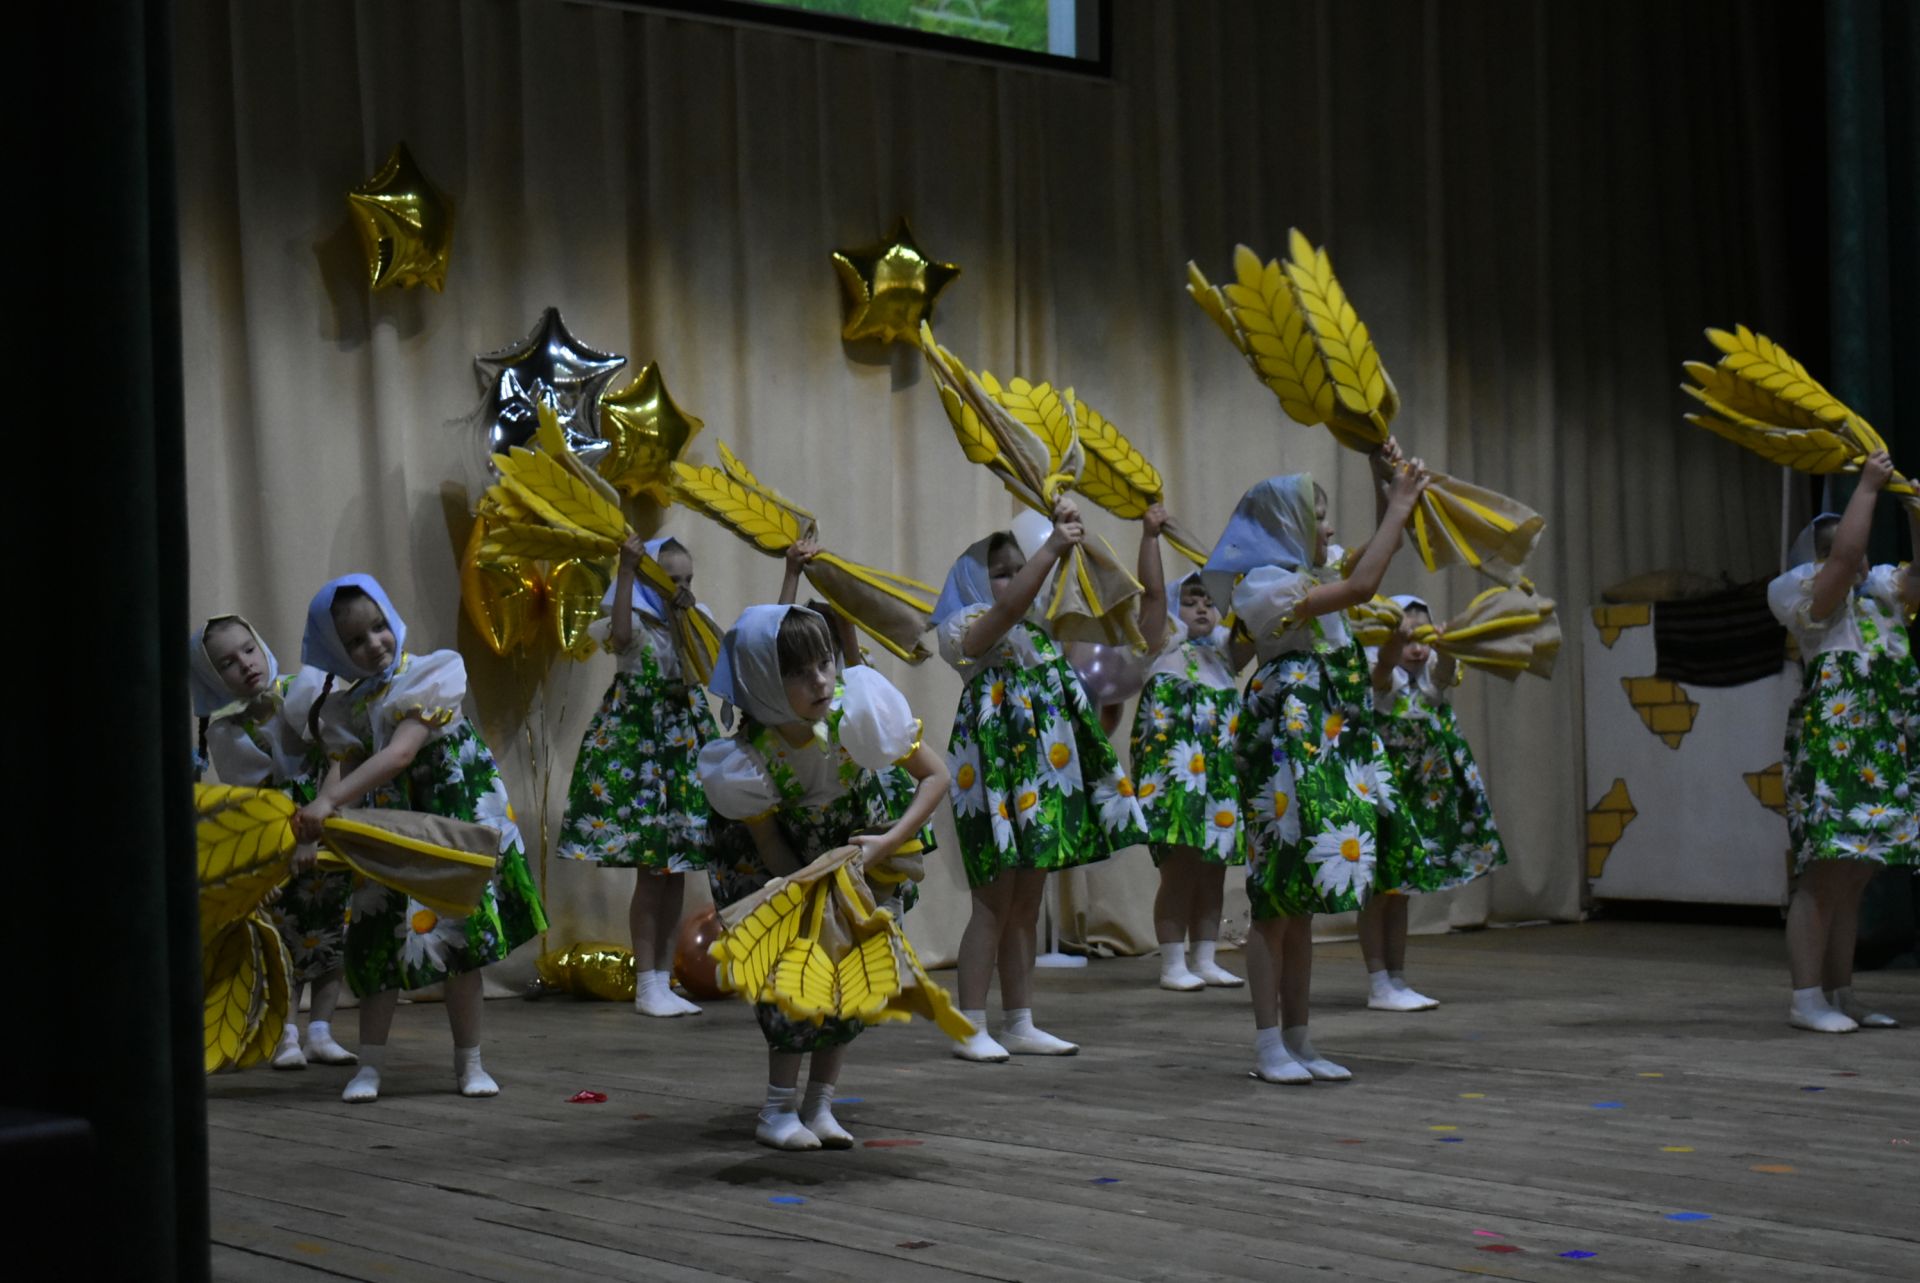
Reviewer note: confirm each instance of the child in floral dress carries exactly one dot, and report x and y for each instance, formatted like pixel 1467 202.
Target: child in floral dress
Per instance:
pixel 1438 785
pixel 821 759
pixel 253 731
pixel 1037 786
pixel 399 740
pixel 1852 766
pixel 635 801
pixel 1314 778
pixel 1182 766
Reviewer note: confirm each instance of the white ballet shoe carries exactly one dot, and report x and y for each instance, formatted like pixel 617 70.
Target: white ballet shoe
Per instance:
pixel 1273 1063
pixel 1023 1038
pixel 980 1048
pixel 1319 1066
pixel 1181 981
pixel 288 1054
pixel 321 1047
pixel 1209 971
pixel 816 1115
pixel 1842 1000
pixel 1811 1011
pixel 653 996
pixel 469 1076
pixel 779 1125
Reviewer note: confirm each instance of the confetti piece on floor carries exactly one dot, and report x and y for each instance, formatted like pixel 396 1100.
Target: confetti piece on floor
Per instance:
pixel 1443 1127
pixel 1845 1073
pixel 1473 1095
pixel 891 1144
pixel 1488 1234
pixel 1451 1140
pixel 1813 1089
pixel 1689 1216
pixel 1349 1140
pixel 787 1200
pixel 1106 1180
pixel 1897 1141
pixel 1778 1169
pixel 915 1243
pixel 1579 1256
pixel 1499 1247
pixel 1676 1149
pixel 587 1098
pixel 1643 1076
pixel 850 1100
pixel 1608 1104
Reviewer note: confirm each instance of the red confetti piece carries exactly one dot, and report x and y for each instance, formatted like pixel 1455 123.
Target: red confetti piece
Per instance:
pixel 1351 1141
pixel 915 1243
pixel 587 1098
pixel 892 1144
pixel 1499 1247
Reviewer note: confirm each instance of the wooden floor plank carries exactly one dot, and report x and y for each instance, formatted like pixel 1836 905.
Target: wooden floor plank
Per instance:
pixel 1579 1087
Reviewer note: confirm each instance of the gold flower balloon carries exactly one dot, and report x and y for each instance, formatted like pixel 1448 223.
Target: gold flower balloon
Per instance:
pixel 519 603
pixel 405 222
pixel 646 433
pixel 890 287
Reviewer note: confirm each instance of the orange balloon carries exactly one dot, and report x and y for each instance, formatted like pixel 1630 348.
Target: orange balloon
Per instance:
pixel 694 969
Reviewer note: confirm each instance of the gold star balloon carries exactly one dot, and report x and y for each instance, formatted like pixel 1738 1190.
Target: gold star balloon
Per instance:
pixel 890 287
pixel 405 222
pixel 646 433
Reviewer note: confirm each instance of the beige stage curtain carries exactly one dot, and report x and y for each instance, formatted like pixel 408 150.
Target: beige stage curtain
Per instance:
pixel 1536 207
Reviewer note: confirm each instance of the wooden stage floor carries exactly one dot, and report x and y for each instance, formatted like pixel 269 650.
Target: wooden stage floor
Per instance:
pixel 1628 1090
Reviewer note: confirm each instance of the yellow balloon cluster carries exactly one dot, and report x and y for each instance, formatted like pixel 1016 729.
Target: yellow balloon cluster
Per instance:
pixel 405 224
pixel 589 970
pixel 518 603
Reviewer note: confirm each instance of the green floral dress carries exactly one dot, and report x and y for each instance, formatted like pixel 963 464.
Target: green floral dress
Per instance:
pixel 1036 782
pixel 851 779
pixel 394 941
pixel 1323 828
pixel 1184 734
pixel 1437 783
pixel 1852 764
pixel 635 800
pixel 310 911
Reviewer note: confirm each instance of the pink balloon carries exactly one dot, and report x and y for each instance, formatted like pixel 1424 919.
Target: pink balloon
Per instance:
pixel 1110 674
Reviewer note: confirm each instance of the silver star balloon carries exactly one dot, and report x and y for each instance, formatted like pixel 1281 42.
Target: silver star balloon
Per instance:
pixel 548 361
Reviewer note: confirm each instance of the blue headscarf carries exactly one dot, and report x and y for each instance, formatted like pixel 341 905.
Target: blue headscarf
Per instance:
pixel 646 597
pixel 320 645
pixel 1273 525
pixel 747 673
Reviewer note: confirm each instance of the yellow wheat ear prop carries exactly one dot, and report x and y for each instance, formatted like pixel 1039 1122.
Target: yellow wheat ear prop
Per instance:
pixel 893 609
pixel 1758 397
pixel 1027 435
pixel 1120 479
pixel 1300 333
pixel 1503 631
pixel 816 946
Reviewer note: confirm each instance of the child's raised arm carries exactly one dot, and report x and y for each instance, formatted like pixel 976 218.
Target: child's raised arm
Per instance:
pixel 1835 579
pixel 409 737
pixel 622 618
pixel 1390 652
pixel 798 554
pixel 1408 485
pixel 985 632
pixel 1153 580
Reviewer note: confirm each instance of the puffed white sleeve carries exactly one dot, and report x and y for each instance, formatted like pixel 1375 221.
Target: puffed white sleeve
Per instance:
pixel 1790 597
pixel 430 689
pixel 736 782
pixel 952 636
pixel 235 758
pixel 1883 585
pixel 601 630
pixel 877 726
pixel 1268 600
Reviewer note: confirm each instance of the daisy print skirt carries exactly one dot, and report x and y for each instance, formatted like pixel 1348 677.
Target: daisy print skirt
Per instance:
pixel 1183 769
pixel 1852 769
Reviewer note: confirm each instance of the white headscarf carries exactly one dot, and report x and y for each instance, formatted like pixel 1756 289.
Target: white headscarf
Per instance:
pixel 1273 525
pixel 320 645
pixel 646 597
pixel 210 693
pixel 1804 544
pixel 968 583
pixel 1406 601
pixel 747 673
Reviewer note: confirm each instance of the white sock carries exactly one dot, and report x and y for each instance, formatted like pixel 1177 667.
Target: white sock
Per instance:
pixel 1173 969
pixel 1319 1066
pixel 1810 1010
pixel 816 1113
pixel 1843 1001
pixel 1273 1063
pixel 1209 970
pixel 365 1085
pixel 1023 1038
pixel 779 1125
pixel 1399 979
pixel 654 996
pixel 473 1080
pixel 981 1046
pixel 288 1055
pixel 321 1046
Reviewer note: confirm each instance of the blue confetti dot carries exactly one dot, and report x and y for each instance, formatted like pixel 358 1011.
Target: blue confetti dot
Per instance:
pixel 1608 1104
pixel 1813 1089
pixel 1689 1216
pixel 850 1100
pixel 1106 1180
pixel 1453 1140
pixel 790 1199
pixel 1579 1256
